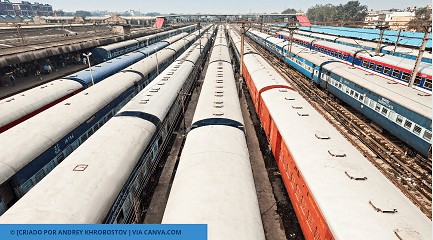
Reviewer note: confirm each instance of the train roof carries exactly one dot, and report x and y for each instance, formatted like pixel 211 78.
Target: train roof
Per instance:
pixel 341 200
pixel 105 160
pixel 344 202
pixel 24 103
pixel 118 45
pixel 409 98
pixel 405 96
pixel 406 50
pixel 410 38
pixel 59 119
pixel 229 206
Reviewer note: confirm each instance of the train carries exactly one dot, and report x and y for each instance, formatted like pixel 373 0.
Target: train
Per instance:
pixel 24 105
pixel 33 148
pixel 104 181
pixel 400 110
pixel 369 45
pixel 393 67
pixel 213 183
pixel 386 48
pixel 105 53
pixel 336 192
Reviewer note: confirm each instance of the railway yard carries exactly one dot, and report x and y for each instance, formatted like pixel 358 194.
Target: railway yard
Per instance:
pixel 258 133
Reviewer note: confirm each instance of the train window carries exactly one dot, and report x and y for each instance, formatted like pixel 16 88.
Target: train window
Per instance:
pixel 378 68
pixel 361 98
pixel 399 119
pixel 405 76
pixel 364 63
pixel 417 80
pixel 395 73
pixel 427 83
pixel 371 66
pixel 408 124
pixel 60 157
pixel 386 70
pixel 84 137
pixel 356 95
pixel 377 108
pixel 384 111
pixel 417 129
pixel 366 100
pixel 351 92
pixel 427 135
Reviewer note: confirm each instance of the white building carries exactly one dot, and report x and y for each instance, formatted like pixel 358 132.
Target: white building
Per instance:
pixel 399 20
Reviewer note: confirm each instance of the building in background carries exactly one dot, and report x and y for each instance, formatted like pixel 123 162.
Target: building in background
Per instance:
pixel 399 20
pixel 25 8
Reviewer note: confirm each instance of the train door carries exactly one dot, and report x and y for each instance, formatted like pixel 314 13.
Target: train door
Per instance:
pixel 316 74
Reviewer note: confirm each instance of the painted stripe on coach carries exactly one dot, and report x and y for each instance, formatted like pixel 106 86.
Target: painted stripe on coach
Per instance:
pixel 275 86
pixel 218 121
pixel 145 116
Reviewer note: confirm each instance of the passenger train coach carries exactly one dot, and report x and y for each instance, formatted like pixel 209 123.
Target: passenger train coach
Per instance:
pixel 214 184
pixel 104 53
pixel 336 192
pixel 104 180
pixel 393 67
pixel 33 148
pixel 386 48
pixel 24 105
pixel 402 111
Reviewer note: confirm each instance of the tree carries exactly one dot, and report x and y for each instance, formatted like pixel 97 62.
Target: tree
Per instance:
pixel 82 13
pixel 289 11
pixel 59 13
pixel 352 11
pixel 421 20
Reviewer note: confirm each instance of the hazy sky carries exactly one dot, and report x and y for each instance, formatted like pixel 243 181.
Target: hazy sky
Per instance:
pixel 217 6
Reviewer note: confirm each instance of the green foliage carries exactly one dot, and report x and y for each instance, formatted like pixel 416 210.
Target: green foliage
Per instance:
pixel 81 13
pixel 59 13
pixel 352 11
pixel 422 19
pixel 289 11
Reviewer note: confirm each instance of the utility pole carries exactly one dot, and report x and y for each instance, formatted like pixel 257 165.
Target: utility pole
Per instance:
pixel 241 75
pixel 18 26
pixel 199 27
pixel 382 29
pixel 396 41
pixel 90 66
pixel 291 30
pixel 183 99
pixel 420 54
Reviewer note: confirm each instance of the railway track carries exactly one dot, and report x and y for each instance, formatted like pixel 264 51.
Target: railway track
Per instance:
pixel 411 174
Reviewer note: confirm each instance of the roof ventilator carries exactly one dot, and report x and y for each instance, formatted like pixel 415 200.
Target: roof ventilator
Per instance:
pixel 289 98
pixel 80 167
pixel 321 135
pixel 336 153
pixel 297 107
pixel 303 114
pixel 391 82
pixel 355 178
pixel 407 234
pixel 382 210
